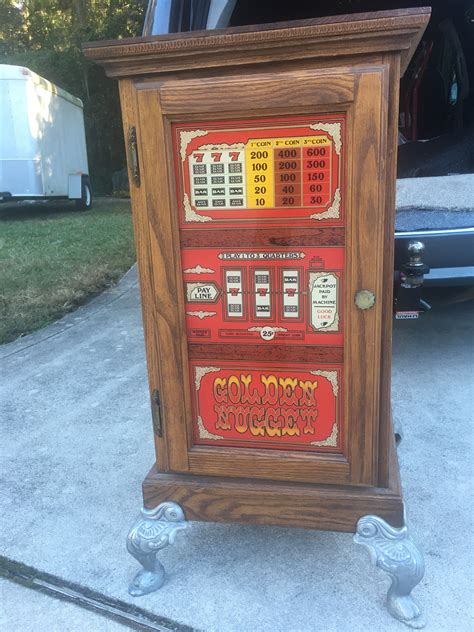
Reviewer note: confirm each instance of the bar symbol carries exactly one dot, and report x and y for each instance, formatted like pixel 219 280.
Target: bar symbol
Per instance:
pixel 263 299
pixel 290 292
pixel 234 294
pixel 235 167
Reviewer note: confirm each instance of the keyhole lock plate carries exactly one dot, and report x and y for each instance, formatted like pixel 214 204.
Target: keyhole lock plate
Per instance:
pixel 365 299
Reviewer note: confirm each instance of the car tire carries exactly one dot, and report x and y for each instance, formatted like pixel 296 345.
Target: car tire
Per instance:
pixel 85 202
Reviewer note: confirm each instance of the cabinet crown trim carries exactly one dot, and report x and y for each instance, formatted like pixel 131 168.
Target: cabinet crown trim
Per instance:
pixel 396 31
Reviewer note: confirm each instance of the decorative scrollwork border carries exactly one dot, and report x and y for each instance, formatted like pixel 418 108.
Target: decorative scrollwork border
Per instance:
pixel 201 371
pixel 331 440
pixel 204 433
pixel 331 377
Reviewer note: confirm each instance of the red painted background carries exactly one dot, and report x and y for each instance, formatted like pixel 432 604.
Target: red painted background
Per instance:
pixel 278 407
pixel 216 326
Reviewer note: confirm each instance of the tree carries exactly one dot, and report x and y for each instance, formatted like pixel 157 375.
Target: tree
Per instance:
pixel 46 36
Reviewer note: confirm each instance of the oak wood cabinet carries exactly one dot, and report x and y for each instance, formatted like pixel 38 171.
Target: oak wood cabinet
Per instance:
pixel 262 171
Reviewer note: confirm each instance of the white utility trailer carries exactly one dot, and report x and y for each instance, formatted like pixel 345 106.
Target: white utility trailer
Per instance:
pixel 42 140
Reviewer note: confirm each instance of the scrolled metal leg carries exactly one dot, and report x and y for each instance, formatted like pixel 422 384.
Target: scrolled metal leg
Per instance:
pixel 394 552
pixel 155 529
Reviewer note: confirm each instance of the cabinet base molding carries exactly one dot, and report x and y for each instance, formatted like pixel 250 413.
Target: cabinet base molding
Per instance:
pixel 328 508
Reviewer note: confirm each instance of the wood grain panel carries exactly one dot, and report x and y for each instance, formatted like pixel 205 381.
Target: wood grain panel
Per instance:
pixel 260 464
pixel 130 118
pixel 163 257
pixel 275 353
pixel 364 230
pixel 213 500
pixel 302 88
pixel 261 238
pixel 393 63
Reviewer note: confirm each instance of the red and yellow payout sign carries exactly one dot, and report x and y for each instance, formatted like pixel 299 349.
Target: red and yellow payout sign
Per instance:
pixel 261 173
pixel 252 281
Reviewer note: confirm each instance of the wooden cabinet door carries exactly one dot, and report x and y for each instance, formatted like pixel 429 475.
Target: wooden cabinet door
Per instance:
pixel 260 217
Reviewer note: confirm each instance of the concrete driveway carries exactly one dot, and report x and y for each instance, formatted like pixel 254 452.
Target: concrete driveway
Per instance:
pixel 77 442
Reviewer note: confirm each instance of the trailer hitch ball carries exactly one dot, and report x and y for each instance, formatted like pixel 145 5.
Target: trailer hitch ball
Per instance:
pixel 414 270
pixel 408 301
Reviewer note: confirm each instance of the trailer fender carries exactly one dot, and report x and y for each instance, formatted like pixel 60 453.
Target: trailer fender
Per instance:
pixel 85 201
pixel 74 189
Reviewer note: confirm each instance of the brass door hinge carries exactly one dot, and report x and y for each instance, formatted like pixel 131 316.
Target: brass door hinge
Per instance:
pixel 156 413
pixel 133 156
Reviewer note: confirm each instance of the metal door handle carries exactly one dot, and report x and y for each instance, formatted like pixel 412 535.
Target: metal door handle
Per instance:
pixel 364 299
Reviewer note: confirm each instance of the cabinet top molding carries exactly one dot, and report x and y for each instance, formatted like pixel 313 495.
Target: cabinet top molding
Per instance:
pixel 359 34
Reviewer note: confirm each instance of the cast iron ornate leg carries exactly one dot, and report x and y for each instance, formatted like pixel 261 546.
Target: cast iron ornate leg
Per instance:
pixel 155 529
pixel 394 552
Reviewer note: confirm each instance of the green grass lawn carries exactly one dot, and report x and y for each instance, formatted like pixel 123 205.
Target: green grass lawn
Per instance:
pixel 53 258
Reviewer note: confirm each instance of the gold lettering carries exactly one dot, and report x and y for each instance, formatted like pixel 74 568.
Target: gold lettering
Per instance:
pixel 309 417
pixel 249 397
pixel 272 422
pixel 220 390
pixel 257 421
pixel 290 426
pixel 222 421
pixel 271 389
pixel 233 387
pixel 240 418
pixel 308 397
pixel 288 395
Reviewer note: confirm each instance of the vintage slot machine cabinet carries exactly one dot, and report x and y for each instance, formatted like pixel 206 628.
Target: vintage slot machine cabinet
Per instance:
pixel 262 173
